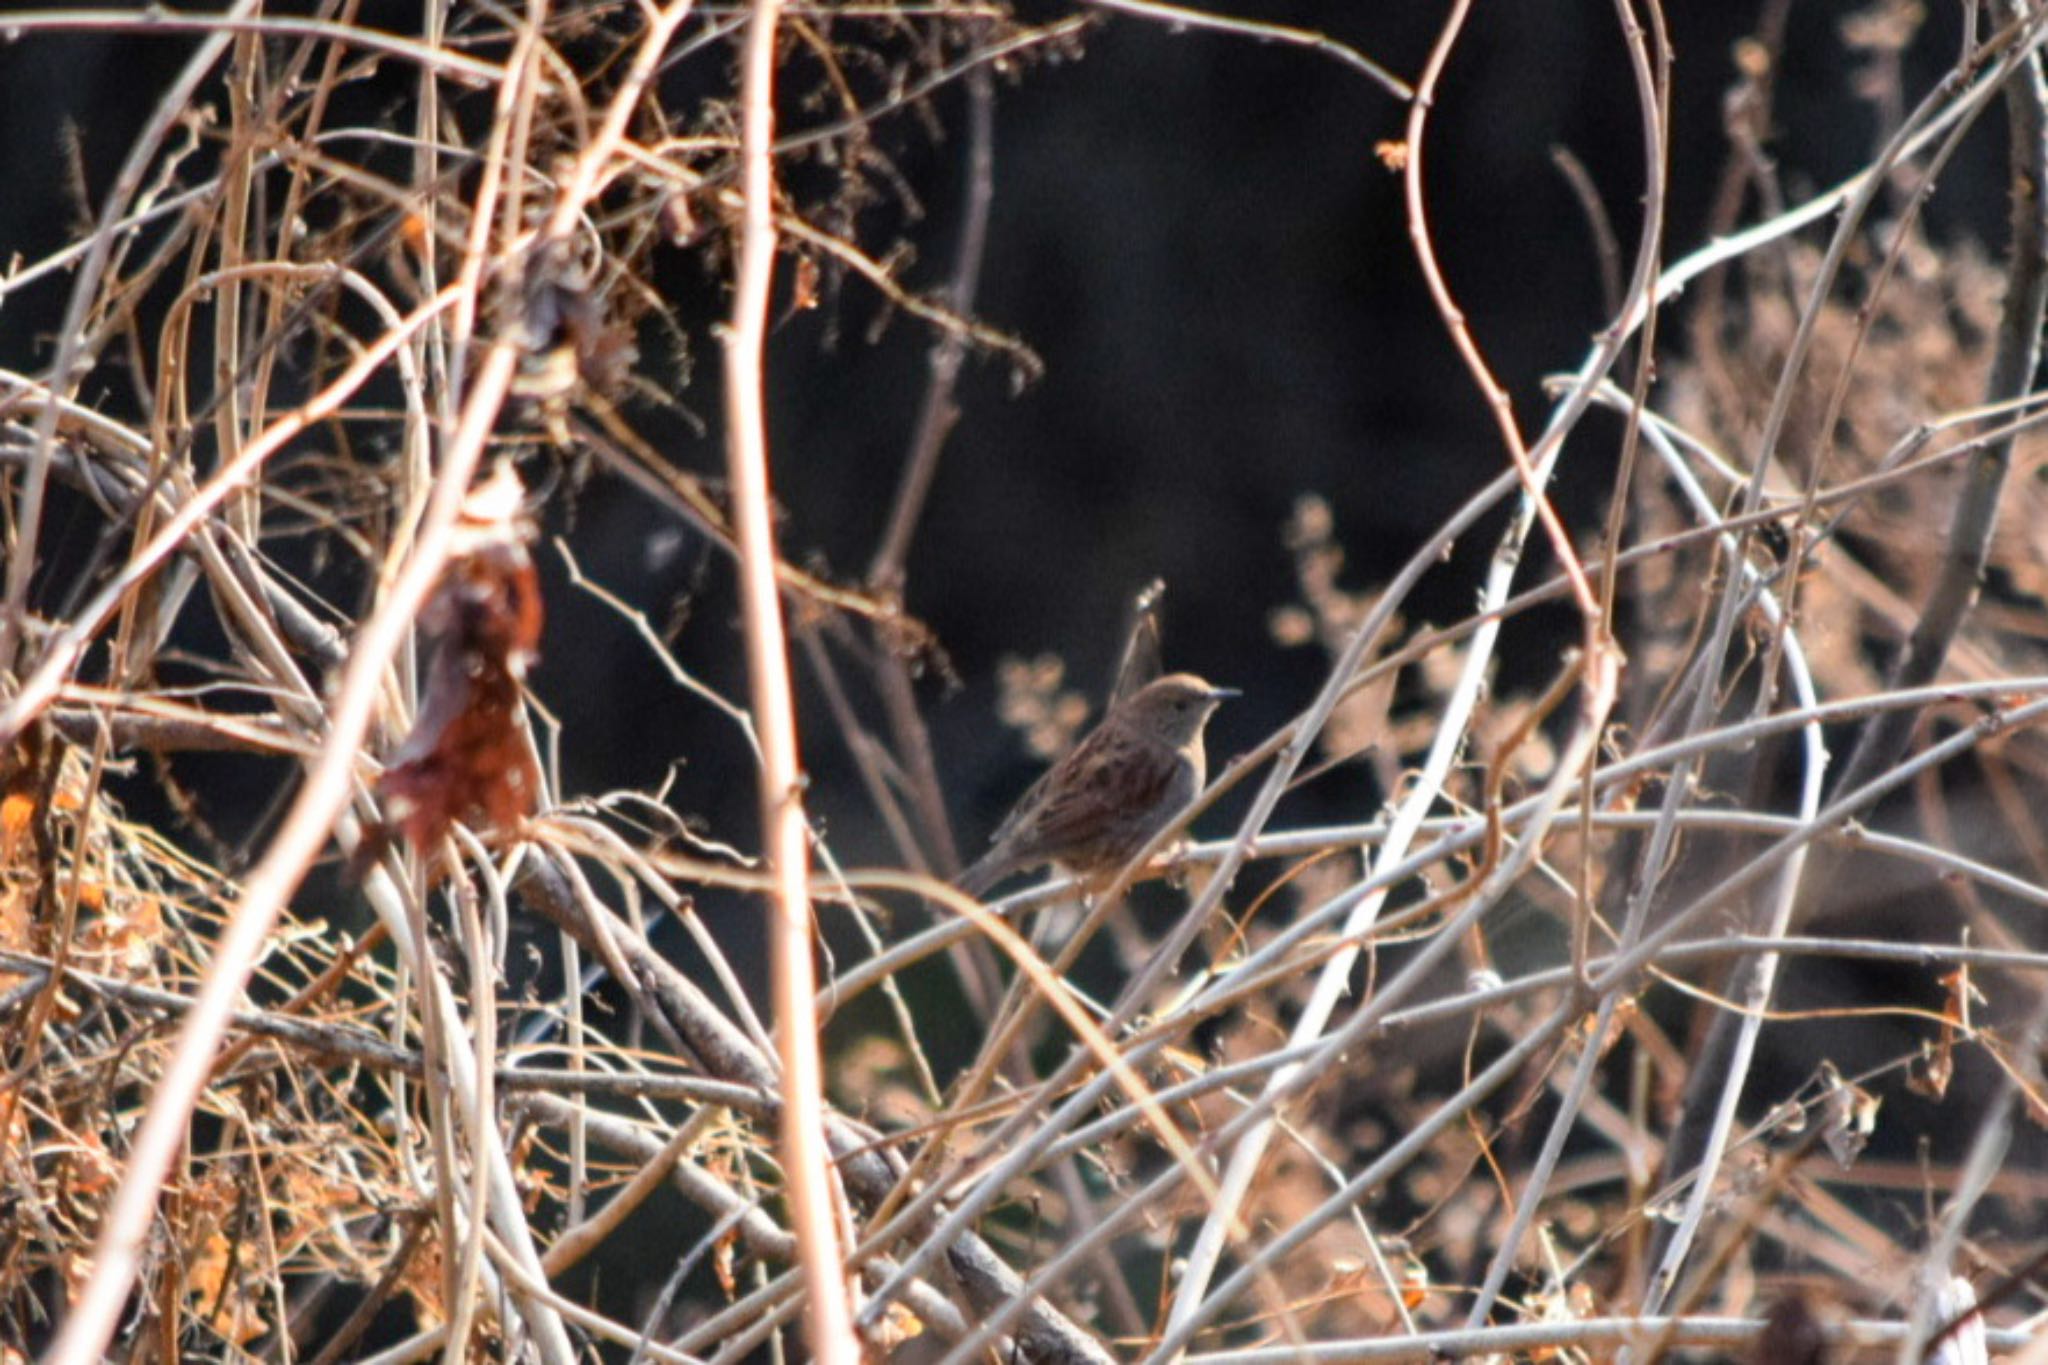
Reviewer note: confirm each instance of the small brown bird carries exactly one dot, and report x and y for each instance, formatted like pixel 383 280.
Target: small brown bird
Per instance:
pixel 1093 810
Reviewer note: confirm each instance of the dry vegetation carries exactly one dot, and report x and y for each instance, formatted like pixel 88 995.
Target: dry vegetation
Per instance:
pixel 306 346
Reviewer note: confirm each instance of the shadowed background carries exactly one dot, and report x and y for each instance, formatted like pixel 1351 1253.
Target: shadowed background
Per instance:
pixel 1196 235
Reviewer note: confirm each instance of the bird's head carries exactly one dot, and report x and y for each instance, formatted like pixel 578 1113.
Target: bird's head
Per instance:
pixel 1174 708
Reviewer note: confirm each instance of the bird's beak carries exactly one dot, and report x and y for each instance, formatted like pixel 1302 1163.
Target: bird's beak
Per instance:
pixel 1223 693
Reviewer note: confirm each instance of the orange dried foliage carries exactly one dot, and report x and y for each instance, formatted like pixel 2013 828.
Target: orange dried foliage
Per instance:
pixel 17 878
pixel 723 1257
pixel 1364 1297
pixel 468 757
pixel 228 1307
pixel 121 940
pixel 1936 1067
pixel 16 812
pixel 424 1281
pixel 88 1170
pixel 898 1325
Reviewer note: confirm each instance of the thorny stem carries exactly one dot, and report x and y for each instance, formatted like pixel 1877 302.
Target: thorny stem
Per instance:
pixel 2012 374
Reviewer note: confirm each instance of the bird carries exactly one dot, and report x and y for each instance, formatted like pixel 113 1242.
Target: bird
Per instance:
pixel 1093 810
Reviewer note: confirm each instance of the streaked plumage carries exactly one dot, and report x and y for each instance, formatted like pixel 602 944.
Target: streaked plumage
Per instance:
pixel 1094 809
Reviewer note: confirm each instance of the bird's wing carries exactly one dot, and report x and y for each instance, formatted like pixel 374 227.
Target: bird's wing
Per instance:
pixel 1109 772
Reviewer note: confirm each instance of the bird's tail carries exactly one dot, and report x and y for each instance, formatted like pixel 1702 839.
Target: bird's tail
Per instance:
pixel 987 870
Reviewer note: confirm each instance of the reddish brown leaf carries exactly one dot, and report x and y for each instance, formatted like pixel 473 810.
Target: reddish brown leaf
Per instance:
pixel 468 757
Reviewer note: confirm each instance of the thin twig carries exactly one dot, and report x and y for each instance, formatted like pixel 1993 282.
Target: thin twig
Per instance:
pixel 1178 18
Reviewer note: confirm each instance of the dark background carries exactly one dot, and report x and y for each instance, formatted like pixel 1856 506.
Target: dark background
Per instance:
pixel 1195 233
